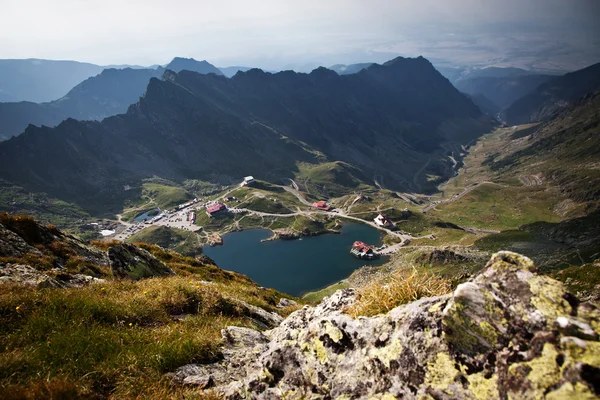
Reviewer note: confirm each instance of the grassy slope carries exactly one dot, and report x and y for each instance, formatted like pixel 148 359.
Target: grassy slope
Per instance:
pixel 118 338
pixel 184 242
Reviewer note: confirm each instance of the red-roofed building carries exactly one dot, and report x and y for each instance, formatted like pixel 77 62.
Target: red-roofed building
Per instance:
pixel 321 205
pixel 215 209
pixel 362 251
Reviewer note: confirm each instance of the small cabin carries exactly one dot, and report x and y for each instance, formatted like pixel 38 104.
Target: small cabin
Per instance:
pixel 383 221
pixel 248 180
pixel 321 205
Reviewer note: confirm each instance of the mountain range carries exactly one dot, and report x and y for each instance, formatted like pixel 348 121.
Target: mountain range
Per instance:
pixel 194 126
pixel 41 80
pixel 553 95
pixel 108 93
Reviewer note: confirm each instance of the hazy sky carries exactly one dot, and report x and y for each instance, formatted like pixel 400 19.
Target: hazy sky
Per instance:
pixel 286 33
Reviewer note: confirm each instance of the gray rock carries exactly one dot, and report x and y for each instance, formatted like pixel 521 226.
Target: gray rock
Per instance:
pixel 493 338
pixel 28 276
pixel 129 261
pixel 12 245
pixel 266 318
pixel 283 302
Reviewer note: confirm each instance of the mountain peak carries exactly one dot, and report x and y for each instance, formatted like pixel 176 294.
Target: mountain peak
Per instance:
pixel 179 64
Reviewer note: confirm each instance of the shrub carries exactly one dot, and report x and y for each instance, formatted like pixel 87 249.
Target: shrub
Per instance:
pixel 382 295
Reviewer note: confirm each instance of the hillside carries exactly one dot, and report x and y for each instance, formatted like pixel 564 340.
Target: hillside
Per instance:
pixel 379 120
pixel 553 96
pixel 108 93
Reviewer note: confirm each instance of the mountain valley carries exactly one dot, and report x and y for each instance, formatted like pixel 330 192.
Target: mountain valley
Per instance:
pixel 488 235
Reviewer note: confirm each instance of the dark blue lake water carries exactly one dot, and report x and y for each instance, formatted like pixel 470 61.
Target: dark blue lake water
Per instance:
pixel 295 266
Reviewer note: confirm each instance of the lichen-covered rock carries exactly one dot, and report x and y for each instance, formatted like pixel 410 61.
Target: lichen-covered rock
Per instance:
pixel 131 262
pixel 509 333
pixel 29 276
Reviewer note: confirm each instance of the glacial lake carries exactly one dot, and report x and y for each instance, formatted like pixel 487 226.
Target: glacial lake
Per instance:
pixel 294 266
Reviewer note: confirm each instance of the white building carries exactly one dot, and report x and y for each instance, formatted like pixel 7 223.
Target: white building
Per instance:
pixel 384 221
pixel 249 180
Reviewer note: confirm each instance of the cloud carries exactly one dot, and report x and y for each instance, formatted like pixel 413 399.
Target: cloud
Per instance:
pixel 273 33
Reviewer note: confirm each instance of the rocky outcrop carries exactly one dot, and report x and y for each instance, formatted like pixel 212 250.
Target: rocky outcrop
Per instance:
pixel 13 245
pixel 131 262
pixel 509 333
pixel 29 276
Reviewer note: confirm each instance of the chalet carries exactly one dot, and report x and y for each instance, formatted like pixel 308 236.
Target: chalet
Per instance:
pixel 384 221
pixel 215 209
pixel 362 251
pixel 321 205
pixel 249 180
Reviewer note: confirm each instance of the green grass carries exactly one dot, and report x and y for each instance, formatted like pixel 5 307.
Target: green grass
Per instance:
pixel 116 338
pixel 497 207
pixel 318 295
pixel 582 280
pixel 181 241
pixel 164 196
pixel 68 216
pixel 332 179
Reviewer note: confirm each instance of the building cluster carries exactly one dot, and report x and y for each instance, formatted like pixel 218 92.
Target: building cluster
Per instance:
pixel 190 203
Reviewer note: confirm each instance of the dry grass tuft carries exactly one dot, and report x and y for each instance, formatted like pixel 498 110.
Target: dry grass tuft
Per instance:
pixel 382 295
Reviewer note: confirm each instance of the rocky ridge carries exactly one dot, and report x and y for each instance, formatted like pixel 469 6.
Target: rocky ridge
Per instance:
pixel 508 333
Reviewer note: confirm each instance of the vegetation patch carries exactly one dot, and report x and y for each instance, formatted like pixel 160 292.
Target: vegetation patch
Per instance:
pixel 400 287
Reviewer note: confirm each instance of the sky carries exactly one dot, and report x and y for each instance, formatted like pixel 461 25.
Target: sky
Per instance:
pixel 280 34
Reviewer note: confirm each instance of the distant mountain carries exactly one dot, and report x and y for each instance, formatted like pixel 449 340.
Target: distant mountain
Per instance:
pixel 389 120
pixel 106 94
pixel 231 71
pixel 485 105
pixel 502 90
pixel 41 80
pixel 189 64
pixel 343 69
pixel 553 95
pixel 101 96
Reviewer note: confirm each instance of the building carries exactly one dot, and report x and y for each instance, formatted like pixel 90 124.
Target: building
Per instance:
pixel 362 251
pixel 321 205
pixel 249 180
pixel 384 221
pixel 215 209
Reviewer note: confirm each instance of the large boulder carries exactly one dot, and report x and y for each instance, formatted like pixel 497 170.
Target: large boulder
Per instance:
pixel 13 245
pixel 509 333
pixel 131 262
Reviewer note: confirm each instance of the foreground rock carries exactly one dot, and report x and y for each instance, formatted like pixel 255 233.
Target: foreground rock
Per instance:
pixel 131 262
pixel 28 276
pixel 509 333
